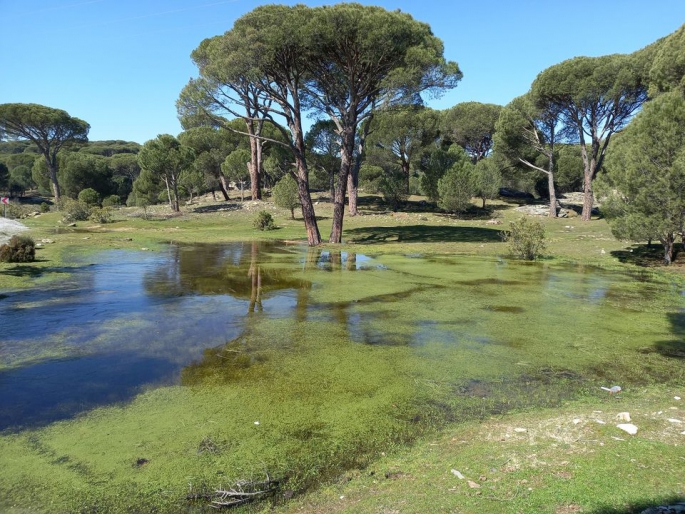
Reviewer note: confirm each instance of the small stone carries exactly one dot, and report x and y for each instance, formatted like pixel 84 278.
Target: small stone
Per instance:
pixel 673 420
pixel 676 397
pixel 458 474
pixel 473 485
pixel 601 422
pixel 623 416
pixel 576 421
pixel 520 430
pixel 628 427
pixel 256 422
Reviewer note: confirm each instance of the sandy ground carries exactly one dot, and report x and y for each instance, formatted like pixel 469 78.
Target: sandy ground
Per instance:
pixel 8 228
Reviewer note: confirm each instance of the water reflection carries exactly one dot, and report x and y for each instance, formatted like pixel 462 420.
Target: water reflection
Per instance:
pixel 191 314
pixel 135 319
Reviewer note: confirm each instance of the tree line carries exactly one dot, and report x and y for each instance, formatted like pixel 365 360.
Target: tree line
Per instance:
pixel 363 74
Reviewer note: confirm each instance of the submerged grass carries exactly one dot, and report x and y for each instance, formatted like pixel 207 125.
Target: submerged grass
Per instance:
pixel 436 342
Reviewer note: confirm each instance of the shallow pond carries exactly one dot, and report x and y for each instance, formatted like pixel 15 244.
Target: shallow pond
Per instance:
pixel 224 359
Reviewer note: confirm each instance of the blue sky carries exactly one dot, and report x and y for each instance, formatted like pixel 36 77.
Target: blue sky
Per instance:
pixel 120 64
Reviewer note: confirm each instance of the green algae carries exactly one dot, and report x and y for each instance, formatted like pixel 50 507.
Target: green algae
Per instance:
pixel 357 357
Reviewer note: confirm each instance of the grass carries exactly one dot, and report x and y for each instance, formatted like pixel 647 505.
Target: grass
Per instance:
pixel 378 383
pixel 569 459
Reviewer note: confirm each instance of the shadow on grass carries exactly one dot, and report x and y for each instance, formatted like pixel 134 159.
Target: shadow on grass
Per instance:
pixel 676 347
pixel 220 207
pixel 23 270
pixel 677 504
pixel 424 234
pixel 645 255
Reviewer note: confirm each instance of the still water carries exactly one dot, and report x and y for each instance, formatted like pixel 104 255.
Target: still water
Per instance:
pixel 131 321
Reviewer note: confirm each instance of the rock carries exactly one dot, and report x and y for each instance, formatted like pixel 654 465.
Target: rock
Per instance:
pixel 458 474
pixel 473 485
pixel 628 427
pixel 46 241
pixel 623 416
pixel 493 222
pixel 520 430
pixel 672 420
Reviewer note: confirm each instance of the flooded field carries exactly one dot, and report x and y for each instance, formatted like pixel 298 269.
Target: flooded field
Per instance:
pixel 216 362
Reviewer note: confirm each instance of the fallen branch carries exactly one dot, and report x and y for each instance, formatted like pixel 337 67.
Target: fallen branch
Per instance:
pixel 241 493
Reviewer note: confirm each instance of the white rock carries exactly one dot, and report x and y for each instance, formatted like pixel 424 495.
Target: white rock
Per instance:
pixel 576 421
pixel 676 397
pixel 623 416
pixel 458 474
pixel 601 422
pixel 672 420
pixel 256 422
pixel 628 427
pixel 520 430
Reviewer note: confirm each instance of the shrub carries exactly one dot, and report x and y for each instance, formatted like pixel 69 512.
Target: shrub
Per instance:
pixel 44 207
pixel 90 197
pixel 393 187
pixel 111 201
pixel 286 194
pixel 526 238
pixel 455 188
pixel 101 215
pixel 17 210
pixel 264 221
pixel 74 210
pixel 19 249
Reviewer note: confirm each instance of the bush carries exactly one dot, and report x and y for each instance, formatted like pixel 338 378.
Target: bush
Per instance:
pixel 90 197
pixel 264 221
pixel 455 188
pixel 19 249
pixel 44 207
pixel 17 210
pixel 286 194
pixel 526 238
pixel 111 201
pixel 393 187
pixel 74 210
pixel 98 215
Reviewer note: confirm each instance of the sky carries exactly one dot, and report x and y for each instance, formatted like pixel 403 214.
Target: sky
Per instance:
pixel 121 64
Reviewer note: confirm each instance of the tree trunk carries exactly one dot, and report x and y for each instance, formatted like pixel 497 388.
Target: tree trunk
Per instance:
pixel 52 168
pixel 255 161
pixel 313 234
pixel 176 207
pixel 346 158
pixel 668 243
pixel 407 171
pixel 223 186
pixel 168 193
pixel 352 193
pixel 550 186
pixel 588 197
